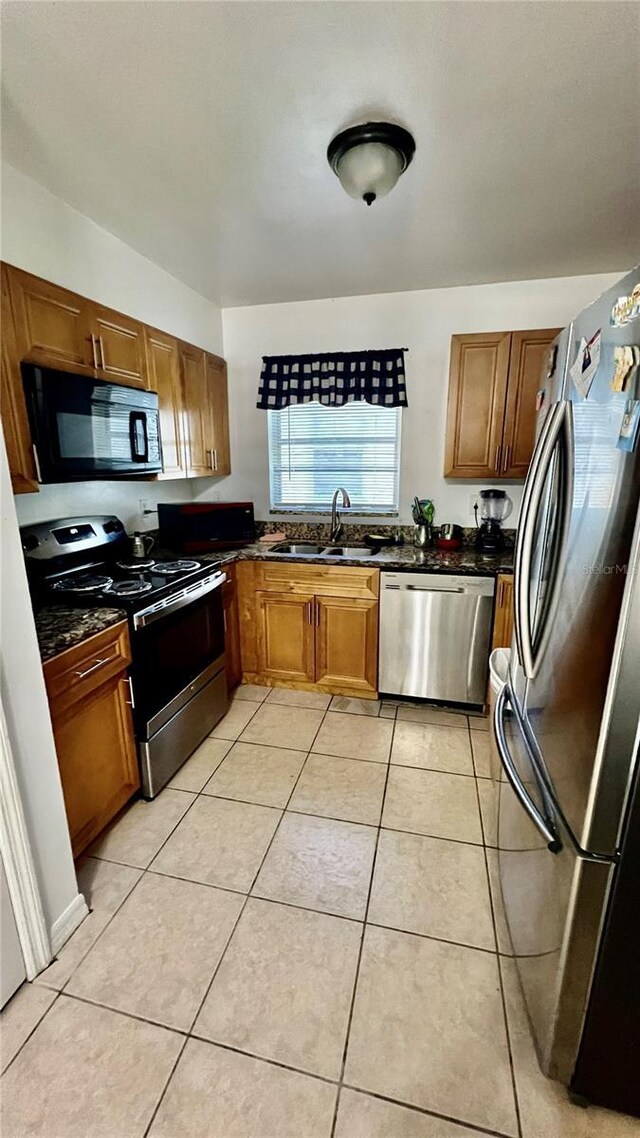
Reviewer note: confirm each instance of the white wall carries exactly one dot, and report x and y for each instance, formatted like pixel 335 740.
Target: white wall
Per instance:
pixel 45 236
pixel 421 321
pixel 25 705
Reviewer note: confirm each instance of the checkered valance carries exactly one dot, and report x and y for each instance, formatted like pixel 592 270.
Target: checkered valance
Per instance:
pixel 333 378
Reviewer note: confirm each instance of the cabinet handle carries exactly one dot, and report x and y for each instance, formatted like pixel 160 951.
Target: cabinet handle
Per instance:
pixel 308 611
pixel 94 351
pixel 131 702
pixel 507 455
pixel 317 608
pixel 94 667
pixel 101 343
pixel 497 461
pixel 213 459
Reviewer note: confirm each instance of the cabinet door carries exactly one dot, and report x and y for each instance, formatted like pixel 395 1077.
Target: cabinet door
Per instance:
pixel 285 636
pixel 475 413
pixel 163 364
pixel 219 415
pixel 233 661
pixel 15 421
pixel 528 352
pixel 97 758
pixel 197 410
pixel 52 324
pixel 347 643
pixel 118 343
pixel 503 615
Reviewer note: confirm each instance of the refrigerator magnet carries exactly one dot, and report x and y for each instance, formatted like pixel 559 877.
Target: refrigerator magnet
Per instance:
pixel 626 359
pixel 586 363
pixel 630 426
pixel 626 308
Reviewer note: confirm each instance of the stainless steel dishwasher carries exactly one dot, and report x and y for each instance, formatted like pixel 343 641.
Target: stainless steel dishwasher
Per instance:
pixel 434 636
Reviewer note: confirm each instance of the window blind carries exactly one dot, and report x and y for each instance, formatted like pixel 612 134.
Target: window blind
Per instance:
pixel 314 449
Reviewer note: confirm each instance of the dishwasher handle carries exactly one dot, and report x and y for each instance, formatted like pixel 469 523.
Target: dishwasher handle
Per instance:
pixel 427 588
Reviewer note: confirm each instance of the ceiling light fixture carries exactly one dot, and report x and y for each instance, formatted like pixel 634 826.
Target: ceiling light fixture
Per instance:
pixel 369 159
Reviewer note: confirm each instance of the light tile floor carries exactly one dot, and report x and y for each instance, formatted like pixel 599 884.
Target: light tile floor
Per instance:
pixel 296 939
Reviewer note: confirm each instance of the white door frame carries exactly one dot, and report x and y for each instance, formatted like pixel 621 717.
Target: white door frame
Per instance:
pixel 19 866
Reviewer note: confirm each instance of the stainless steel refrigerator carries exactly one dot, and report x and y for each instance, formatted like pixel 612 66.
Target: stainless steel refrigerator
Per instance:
pixel 566 723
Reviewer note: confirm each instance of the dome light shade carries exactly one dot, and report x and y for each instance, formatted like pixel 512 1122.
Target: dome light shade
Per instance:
pixel 369 159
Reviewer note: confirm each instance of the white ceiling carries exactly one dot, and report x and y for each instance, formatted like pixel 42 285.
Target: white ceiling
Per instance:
pixel 197 132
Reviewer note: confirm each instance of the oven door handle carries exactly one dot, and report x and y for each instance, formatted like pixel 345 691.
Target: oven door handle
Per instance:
pixel 178 601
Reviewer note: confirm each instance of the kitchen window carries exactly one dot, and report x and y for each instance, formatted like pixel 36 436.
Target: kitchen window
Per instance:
pixel 313 449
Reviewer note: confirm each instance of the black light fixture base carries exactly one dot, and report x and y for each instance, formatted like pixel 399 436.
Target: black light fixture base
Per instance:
pixel 388 133
pixel 369 198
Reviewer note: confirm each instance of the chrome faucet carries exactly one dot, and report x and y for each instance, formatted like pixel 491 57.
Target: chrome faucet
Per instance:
pixel 336 524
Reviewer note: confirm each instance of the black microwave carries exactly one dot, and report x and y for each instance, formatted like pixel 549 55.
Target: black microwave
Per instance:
pixel 84 428
pixel 195 527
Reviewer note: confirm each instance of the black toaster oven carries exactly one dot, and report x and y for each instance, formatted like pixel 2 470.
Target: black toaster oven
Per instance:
pixel 196 527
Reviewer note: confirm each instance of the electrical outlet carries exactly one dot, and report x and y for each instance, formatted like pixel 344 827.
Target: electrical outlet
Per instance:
pixel 146 506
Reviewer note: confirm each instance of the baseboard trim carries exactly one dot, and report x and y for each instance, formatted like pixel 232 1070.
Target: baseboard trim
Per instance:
pixel 68 922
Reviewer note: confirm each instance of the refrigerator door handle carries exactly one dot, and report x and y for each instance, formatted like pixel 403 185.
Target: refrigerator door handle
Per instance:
pixel 557 427
pixel 522 527
pixel 542 825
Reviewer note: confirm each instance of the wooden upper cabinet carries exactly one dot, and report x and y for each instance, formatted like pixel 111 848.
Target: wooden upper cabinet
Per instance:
pixel 15 421
pixel 53 327
pixel 204 379
pixel 163 366
pixel 477 390
pixel 528 352
pixel 347 642
pixel 491 415
pixel 118 344
pixel 52 324
pixel 197 415
pixel 219 411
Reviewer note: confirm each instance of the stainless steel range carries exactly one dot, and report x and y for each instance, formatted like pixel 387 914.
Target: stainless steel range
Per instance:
pixel 176 623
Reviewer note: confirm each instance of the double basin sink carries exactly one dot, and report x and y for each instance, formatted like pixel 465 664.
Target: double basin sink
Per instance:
pixel 310 549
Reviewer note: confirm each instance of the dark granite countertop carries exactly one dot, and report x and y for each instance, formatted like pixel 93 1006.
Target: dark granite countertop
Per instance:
pixel 60 626
pixel 467 561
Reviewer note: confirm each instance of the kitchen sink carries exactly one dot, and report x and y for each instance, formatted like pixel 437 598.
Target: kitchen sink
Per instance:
pixel 350 551
pixel 301 548
pixel 309 549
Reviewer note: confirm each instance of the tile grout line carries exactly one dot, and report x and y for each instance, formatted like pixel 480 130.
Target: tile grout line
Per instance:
pixel 189 1033
pixel 497 955
pixel 361 946
pixel 247 896
pixel 421 1110
pixel 33 1029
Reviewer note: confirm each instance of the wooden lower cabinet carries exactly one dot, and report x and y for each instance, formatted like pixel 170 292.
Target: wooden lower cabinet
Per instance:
pixel 89 698
pixel 233 660
pixel 347 642
pixel 503 615
pixel 309 626
pixel 286 642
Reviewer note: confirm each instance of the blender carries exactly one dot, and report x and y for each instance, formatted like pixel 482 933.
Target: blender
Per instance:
pixel 495 507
